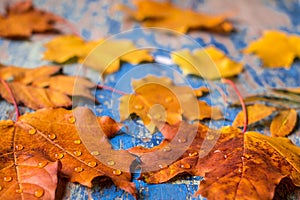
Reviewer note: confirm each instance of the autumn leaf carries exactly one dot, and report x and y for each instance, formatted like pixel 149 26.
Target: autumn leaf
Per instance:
pixel 43 86
pixel 159 99
pixel 23 19
pixel 166 15
pixel 255 113
pixel 72 137
pixel 284 123
pixel 234 166
pixel 208 62
pixel 285 48
pixel 102 55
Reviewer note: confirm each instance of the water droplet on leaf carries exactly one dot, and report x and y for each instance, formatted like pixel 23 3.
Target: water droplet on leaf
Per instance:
pixel 32 131
pixel 185 166
pixel 192 154
pixel 42 164
pixel 39 193
pixel 95 153
pixel 59 155
pixel 7 178
pixel 117 172
pixel 78 169
pixel 52 136
pixel 111 162
pixel 19 147
pixel 72 119
pixel 77 153
pixel 92 164
pixel 77 141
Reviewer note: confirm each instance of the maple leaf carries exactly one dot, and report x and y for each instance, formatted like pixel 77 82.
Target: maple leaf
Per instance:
pixel 255 113
pixel 285 48
pixel 158 99
pixel 67 136
pixel 166 15
pixel 208 62
pixel 237 166
pixel 101 55
pixel 284 123
pixel 43 86
pixel 22 20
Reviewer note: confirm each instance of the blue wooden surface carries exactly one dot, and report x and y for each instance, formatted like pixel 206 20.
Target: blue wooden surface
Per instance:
pixel 95 19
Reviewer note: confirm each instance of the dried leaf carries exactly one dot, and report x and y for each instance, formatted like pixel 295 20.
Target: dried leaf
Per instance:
pixel 237 166
pixel 43 87
pixel 285 48
pixel 255 113
pixel 24 176
pixel 283 123
pixel 75 139
pixel 166 15
pixel 158 99
pixel 22 20
pixel 208 63
pixel 102 55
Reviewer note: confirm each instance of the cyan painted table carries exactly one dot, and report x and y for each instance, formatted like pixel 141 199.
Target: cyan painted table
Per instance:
pixel 95 19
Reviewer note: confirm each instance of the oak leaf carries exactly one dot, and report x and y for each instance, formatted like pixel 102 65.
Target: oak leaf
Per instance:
pixel 284 123
pixel 76 138
pixel 284 49
pixel 255 113
pixel 43 86
pixel 102 55
pixel 234 165
pixel 166 15
pixel 23 19
pixel 209 62
pixel 159 99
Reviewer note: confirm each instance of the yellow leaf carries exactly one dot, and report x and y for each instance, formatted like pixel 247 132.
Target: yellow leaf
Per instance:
pixel 283 123
pixel 166 15
pixel 255 113
pixel 208 63
pixel 276 49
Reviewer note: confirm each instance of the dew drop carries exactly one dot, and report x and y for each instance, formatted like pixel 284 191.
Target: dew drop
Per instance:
pixel 181 140
pixel 7 178
pixel 32 131
pixel 185 166
pixel 192 154
pixel 162 166
pixel 117 172
pixel 19 190
pixel 168 99
pixel 72 119
pixel 52 136
pixel 77 153
pixel 111 162
pixel 210 137
pixel 95 153
pixel 39 193
pixel 42 164
pixel 77 141
pixel 225 156
pixel 19 147
pixel 1 188
pixel 217 151
pixel 240 170
pixel 92 164
pixel 138 107
pixel 247 156
pixel 59 155
pixel 78 169
pixel 167 149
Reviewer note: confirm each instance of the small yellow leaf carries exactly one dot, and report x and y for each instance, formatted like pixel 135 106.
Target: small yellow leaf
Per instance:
pixel 255 113
pixel 283 123
pixel 208 63
pixel 276 49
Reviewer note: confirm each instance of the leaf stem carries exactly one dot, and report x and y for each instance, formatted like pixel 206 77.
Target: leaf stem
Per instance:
pixel 8 89
pixel 230 82
pixel 111 89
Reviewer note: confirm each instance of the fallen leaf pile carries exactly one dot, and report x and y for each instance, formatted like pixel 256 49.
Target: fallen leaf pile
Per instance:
pixel 169 103
pixel 23 19
pixel 239 166
pixel 104 56
pixel 32 147
pixel 166 15
pixel 43 87
pixel 276 49
pixel 209 63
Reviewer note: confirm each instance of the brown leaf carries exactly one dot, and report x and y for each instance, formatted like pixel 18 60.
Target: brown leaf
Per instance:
pixel 166 15
pixel 75 139
pixel 43 87
pixel 234 165
pixel 283 123
pixel 22 20
pixel 24 175
pixel 255 113
pixel 159 99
